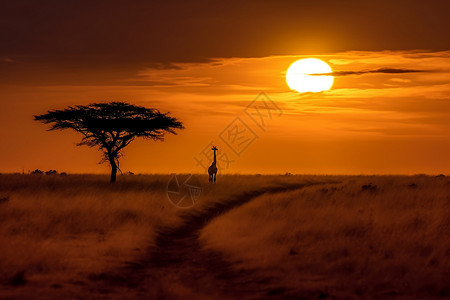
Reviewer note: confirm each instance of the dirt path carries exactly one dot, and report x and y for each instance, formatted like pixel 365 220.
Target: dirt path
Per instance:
pixel 179 268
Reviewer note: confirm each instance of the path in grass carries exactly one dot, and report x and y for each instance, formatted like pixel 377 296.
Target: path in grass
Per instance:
pixel 179 268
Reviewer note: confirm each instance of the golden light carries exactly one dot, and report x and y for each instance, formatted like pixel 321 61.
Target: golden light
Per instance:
pixel 299 78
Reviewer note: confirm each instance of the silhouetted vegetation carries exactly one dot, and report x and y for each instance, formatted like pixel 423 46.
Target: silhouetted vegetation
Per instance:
pixel 111 126
pixel 37 172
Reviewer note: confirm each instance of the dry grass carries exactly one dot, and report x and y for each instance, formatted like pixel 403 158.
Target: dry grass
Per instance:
pixel 60 230
pixel 347 240
pixel 343 239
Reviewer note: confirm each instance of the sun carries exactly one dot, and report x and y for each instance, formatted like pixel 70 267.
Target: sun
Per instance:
pixel 299 78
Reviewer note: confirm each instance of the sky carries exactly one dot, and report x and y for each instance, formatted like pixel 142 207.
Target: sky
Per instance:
pixel 220 68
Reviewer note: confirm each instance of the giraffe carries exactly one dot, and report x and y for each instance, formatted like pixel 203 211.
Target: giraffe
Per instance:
pixel 212 170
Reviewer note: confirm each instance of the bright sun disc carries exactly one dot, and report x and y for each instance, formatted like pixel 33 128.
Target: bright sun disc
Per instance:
pixel 299 78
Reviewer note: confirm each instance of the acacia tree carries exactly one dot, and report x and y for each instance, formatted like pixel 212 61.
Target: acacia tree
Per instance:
pixel 111 126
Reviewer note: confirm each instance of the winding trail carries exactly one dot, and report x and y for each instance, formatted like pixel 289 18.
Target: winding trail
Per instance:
pixel 180 268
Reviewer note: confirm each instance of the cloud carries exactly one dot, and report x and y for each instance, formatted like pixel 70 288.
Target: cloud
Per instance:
pixel 400 80
pixel 8 60
pixel 164 66
pixel 181 65
pixel 375 71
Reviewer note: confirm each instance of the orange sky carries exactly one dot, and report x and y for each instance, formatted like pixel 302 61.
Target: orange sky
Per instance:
pixel 367 123
pixel 205 61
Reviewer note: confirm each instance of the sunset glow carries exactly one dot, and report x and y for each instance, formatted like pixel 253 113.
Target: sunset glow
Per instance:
pixel 403 114
pixel 392 101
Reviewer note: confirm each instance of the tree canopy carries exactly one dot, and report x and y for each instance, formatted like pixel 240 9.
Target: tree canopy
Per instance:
pixel 111 126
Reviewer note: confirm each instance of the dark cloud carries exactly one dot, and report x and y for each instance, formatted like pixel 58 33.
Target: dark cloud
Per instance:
pixel 163 66
pixel 376 71
pixel 115 32
pixel 175 66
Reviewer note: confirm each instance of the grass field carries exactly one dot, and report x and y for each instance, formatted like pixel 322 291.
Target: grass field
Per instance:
pixel 60 230
pixel 382 236
pixel 342 235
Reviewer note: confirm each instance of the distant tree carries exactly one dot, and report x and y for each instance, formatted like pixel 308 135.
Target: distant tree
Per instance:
pixel 111 126
pixel 51 172
pixel 37 172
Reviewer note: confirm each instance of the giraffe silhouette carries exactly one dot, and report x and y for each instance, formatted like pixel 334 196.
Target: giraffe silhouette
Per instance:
pixel 212 170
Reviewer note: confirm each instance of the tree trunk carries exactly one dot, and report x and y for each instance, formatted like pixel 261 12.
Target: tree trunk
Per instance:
pixel 113 170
